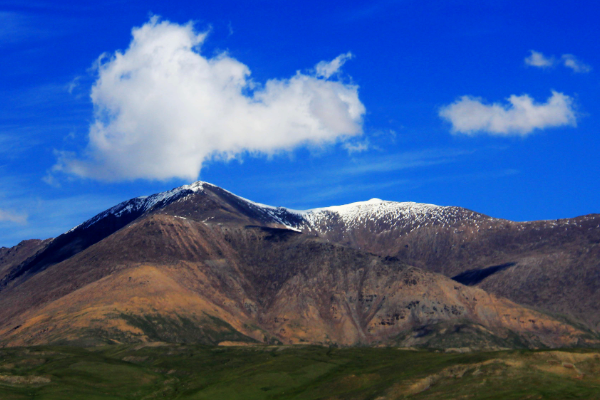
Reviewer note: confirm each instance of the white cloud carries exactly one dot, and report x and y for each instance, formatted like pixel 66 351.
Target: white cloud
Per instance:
pixel 537 59
pixel 12 217
pixel 570 61
pixel 469 115
pixel 325 69
pixel 356 146
pixel 162 109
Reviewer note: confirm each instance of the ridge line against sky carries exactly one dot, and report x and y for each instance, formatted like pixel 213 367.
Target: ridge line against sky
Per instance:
pixel 297 106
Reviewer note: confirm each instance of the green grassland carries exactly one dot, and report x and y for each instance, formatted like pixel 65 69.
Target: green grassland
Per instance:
pixel 165 371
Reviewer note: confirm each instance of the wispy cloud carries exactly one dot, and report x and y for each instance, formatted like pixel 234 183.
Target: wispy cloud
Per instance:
pixel 33 99
pixel 368 190
pixel 320 193
pixel 14 140
pixel 11 216
pixel 539 60
pixel 474 176
pixel 402 161
pixel 26 212
pixel 356 146
pixel 326 69
pixel 521 116
pixel 367 165
pixel 39 115
pixel 45 218
pixel 363 177
pixel 16 28
pixel 570 61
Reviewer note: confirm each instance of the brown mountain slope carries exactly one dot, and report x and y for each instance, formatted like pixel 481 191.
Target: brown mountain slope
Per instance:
pixel 200 201
pixel 11 257
pixel 551 265
pixel 173 278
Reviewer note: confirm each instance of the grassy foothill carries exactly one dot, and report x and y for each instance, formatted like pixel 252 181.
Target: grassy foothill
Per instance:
pixel 166 371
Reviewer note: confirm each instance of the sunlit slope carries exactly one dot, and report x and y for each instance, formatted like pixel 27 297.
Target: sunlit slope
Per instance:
pixel 552 265
pixel 549 265
pixel 169 278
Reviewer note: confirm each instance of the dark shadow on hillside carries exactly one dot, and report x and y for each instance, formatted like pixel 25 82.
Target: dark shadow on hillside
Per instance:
pixel 475 276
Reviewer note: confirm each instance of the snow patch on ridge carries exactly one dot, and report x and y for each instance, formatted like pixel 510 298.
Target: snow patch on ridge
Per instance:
pixel 354 215
pixel 393 214
pixel 144 204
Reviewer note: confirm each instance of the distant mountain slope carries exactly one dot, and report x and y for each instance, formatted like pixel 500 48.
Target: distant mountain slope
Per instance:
pixel 331 275
pixel 11 257
pixel 209 202
pixel 170 278
pixel 553 265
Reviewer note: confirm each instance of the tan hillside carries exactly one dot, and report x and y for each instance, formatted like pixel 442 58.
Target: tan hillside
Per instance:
pixel 171 278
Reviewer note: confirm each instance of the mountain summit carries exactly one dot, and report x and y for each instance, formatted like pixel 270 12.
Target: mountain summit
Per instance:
pixel 200 264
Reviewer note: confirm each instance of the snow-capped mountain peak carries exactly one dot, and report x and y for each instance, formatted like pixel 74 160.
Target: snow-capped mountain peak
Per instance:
pixel 388 214
pixel 142 204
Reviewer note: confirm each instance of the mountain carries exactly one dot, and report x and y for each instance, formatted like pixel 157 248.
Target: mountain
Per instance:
pixel 200 264
pixel 551 265
pixel 13 256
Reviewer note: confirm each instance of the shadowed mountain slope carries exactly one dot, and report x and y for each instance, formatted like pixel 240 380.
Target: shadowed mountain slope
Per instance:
pixel 11 257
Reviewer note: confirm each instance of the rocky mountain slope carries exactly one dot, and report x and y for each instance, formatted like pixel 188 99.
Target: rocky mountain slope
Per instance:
pixel 553 265
pixel 11 257
pixel 199 264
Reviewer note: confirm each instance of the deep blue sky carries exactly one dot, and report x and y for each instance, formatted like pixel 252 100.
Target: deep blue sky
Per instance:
pixel 410 59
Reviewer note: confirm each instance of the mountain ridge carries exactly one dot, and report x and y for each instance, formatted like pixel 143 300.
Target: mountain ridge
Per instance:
pixel 267 284
pixel 259 263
